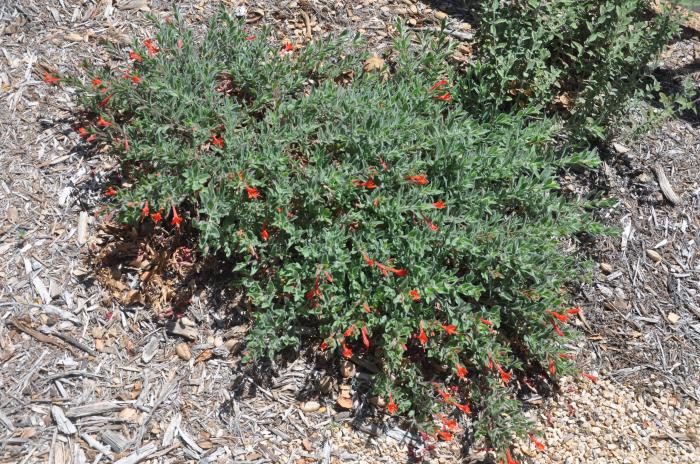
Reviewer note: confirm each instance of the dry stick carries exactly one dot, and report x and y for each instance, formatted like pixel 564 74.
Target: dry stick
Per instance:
pixel 39 336
pixel 307 23
pixel 665 185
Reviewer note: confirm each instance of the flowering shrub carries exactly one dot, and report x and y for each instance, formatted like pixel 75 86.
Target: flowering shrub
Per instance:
pixel 584 59
pixel 364 212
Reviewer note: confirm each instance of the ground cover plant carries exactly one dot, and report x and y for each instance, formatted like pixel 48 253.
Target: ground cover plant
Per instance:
pixel 367 208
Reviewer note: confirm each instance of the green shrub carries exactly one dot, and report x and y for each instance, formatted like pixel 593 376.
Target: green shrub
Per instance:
pixel 584 59
pixel 363 212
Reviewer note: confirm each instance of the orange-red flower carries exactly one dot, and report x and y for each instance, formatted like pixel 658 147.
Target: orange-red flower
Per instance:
pixel 349 331
pixel 253 193
pixel 444 97
pixel 176 219
pixel 179 44
pixel 560 317
pixel 101 122
pixel 387 269
pixel 264 234
pixel 323 346
pixel 365 338
pixel 366 307
pixel 420 179
pixel 415 295
pixel 432 226
pixel 110 191
pixel 537 443
pixel 461 371
pixel 391 407
pixel 369 183
pixel 590 377
pixel 105 100
pixel 96 82
pixel 152 49
pixel 136 79
pixel 486 322
pixel 439 204
pixel 574 310
pixel 509 458
pixel 217 141
pixel 552 369
pixel 422 337
pixel 446 436
pixel 463 407
pixel 449 423
pixel 450 329
pixel 145 211
pixel 157 217
pixel 347 352
pixel 445 396
pixel 51 80
pixel 135 56
pixel 505 376
pixel 250 37
pixel 288 47
pixel 557 329
pixel 438 84
pixel 565 356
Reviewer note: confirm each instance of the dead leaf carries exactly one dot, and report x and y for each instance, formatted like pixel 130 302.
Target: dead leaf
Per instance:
pixel 129 414
pixel 673 318
pixel 204 356
pixel 373 63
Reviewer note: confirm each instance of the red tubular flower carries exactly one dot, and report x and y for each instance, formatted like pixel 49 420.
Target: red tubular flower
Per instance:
pixel 369 184
pixel 505 376
pixel 446 436
pixel 461 371
pixel 590 377
pixel 347 352
pixel 83 132
pixel 537 443
pixel 106 100
pixel 438 84
pixel 136 79
pixel 432 226
pixel 152 49
pixel 288 47
pixel 349 331
pixel 557 329
pixel 102 123
pixel 145 211
pixel 126 144
pixel 450 329
pixel 445 396
pixel 486 322
pixel 439 205
pixel 176 219
pixel 370 262
pixel 387 269
pixel 217 141
pixel 365 338
pixel 179 44
pixel 110 191
pixel 565 356
pixel 264 234
pixel 323 346
pixel 135 56
pixel 366 307
pixel 420 179
pixel 444 97
pixel 415 295
pixel 450 424
pixel 422 337
pixel 96 82
pixel 509 458
pixel 463 407
pixel 51 80
pixel 560 317
pixel 391 407
pixel 574 310
pixel 552 369
pixel 253 193
pixel 157 217
pixel 250 37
